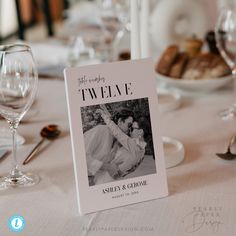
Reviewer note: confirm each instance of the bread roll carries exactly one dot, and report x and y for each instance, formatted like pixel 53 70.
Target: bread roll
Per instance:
pixel 167 59
pixel 218 68
pixel 211 42
pixel 193 47
pixel 206 66
pixel 177 68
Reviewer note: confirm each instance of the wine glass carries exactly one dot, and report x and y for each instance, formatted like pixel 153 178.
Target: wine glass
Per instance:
pixel 18 87
pixel 121 46
pixel 110 13
pixel 225 33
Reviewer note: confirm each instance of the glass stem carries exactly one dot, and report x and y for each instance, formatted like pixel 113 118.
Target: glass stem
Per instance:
pixel 14 170
pixel 234 77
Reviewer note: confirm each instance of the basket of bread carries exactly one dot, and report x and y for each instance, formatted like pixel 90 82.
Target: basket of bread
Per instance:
pixel 192 67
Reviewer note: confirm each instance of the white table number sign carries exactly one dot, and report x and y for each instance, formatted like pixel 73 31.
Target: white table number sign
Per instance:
pixel 115 133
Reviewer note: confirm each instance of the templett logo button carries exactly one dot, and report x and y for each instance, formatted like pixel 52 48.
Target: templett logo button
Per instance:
pixel 16 223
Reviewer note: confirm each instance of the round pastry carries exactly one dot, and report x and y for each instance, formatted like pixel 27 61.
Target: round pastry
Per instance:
pixel 197 66
pixel 193 46
pixel 177 68
pixel 206 66
pixel 167 59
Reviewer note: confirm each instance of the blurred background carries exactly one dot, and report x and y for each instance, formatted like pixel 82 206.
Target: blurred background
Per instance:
pixel 24 19
pixel 88 32
pixel 30 14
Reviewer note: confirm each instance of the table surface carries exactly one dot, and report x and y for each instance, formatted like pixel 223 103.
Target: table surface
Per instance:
pixel 202 189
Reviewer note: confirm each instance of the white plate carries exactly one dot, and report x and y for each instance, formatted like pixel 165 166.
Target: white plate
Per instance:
pixel 173 152
pixel 201 85
pixel 168 100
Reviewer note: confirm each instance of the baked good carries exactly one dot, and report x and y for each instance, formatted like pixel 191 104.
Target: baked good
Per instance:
pixel 218 68
pixel 205 66
pixel 176 64
pixel 193 46
pixel 167 59
pixel 197 66
pixel 178 67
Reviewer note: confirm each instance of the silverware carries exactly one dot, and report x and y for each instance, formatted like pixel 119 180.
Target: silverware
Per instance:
pixel 49 132
pixel 228 155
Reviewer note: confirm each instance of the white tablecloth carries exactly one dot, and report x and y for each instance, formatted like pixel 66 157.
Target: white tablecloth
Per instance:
pixel 202 188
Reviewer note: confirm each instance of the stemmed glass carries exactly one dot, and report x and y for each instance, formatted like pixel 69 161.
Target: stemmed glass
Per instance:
pixel 225 32
pixel 18 87
pixel 121 46
pixel 110 15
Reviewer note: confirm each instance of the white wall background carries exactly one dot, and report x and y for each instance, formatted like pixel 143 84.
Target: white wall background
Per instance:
pixel 8 19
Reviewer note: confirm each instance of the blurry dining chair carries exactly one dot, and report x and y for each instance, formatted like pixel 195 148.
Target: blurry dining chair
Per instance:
pixel 42 5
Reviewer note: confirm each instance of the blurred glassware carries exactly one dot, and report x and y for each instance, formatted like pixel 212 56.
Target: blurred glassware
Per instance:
pixel 114 15
pixel 109 15
pixel 79 52
pixel 225 32
pixel 93 36
pixel 121 45
pixel 97 24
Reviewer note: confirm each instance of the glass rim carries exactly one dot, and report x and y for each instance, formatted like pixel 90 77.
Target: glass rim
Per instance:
pixel 21 48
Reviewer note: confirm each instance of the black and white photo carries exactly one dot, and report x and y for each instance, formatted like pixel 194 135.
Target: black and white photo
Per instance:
pixel 118 141
pixel 115 134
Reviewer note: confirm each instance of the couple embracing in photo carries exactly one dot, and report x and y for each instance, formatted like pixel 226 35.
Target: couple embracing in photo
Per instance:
pixel 116 148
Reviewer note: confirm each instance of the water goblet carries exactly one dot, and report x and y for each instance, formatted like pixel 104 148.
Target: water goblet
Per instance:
pixel 110 13
pixel 225 33
pixel 121 46
pixel 18 87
